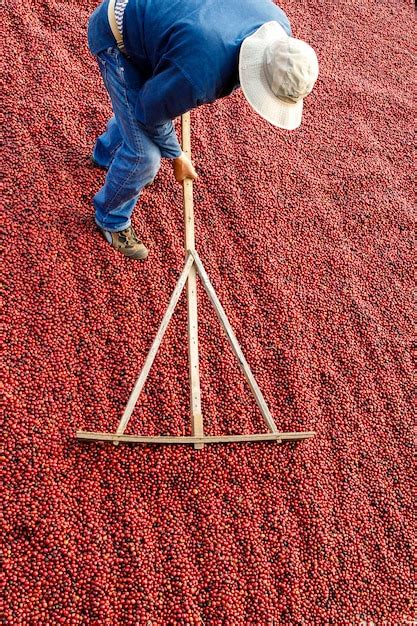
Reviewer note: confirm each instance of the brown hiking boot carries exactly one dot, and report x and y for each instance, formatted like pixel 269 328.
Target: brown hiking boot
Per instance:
pixel 127 243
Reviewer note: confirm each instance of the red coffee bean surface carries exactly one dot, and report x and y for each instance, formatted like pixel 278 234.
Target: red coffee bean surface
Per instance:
pixel 307 239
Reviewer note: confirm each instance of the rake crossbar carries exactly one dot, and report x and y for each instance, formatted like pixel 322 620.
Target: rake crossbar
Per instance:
pixel 278 437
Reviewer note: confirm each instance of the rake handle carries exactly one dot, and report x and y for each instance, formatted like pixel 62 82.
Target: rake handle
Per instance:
pixel 193 357
pixel 187 185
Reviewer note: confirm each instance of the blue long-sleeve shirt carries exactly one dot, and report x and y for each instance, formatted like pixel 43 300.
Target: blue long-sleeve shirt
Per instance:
pixel 186 52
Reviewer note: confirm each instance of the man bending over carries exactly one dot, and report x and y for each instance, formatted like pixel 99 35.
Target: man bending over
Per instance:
pixel 161 58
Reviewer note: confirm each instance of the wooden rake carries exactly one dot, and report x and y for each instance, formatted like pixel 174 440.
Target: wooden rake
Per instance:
pixel 192 267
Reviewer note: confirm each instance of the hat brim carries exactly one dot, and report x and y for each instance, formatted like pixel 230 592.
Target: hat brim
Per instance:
pixel 254 83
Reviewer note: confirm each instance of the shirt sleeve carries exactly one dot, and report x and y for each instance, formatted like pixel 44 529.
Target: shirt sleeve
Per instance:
pixel 167 94
pixel 165 137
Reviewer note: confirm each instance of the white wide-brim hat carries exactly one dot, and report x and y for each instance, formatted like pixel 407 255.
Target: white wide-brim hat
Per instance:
pixel 276 73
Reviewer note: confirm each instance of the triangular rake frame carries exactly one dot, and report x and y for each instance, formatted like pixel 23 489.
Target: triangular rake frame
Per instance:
pixel 193 265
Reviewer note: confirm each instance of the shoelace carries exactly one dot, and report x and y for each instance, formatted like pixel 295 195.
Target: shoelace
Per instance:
pixel 129 236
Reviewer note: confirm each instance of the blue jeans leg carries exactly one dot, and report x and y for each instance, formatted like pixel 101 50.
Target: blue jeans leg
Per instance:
pixel 107 144
pixel 137 159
